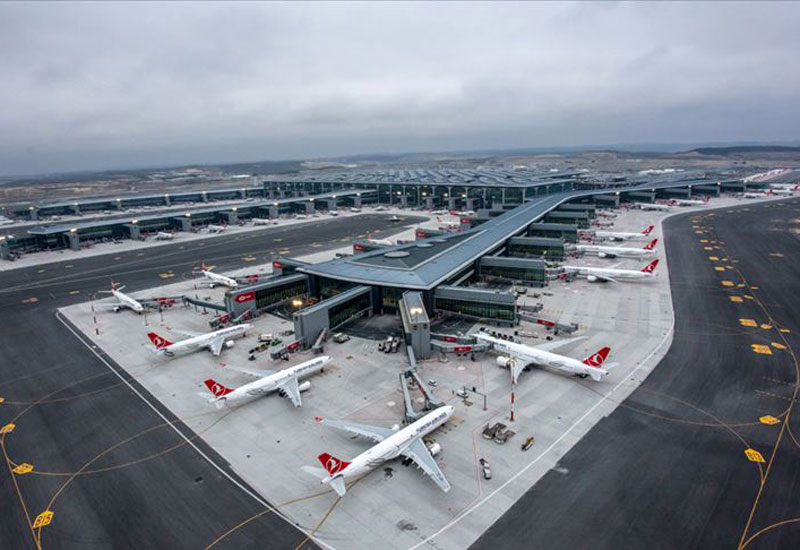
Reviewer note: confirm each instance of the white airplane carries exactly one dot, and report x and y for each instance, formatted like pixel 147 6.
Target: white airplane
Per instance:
pixel 301 216
pixel 212 228
pixel 123 300
pixel 214 341
pixel 440 212
pixel 654 206
pixel 690 202
pixel 520 357
pixel 391 443
pixel 354 209
pixel 286 382
pixel 215 279
pixel 622 236
pixel 619 251
pixel 784 190
pixel 379 242
pixel 164 236
pixel 755 195
pixel 792 186
pixel 611 275
pixel 464 214
pixel 261 221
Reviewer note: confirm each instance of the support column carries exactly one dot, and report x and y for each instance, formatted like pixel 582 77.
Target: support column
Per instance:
pixel 403 200
pixel 134 231
pixel 451 203
pixel 186 223
pixel 309 207
pixel 273 212
pixel 5 249
pixel 471 204
pixel 34 213
pixel 75 209
pixel 167 200
pixel 74 240
pixel 429 203
pixel 332 204
pixel 357 201
pixel 204 196
pixel 233 217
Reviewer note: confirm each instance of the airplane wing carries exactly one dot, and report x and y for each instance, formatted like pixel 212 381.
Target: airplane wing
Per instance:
pixel 609 279
pixel 291 390
pixel 422 457
pixel 254 373
pixel 215 346
pixel 375 433
pixel 555 344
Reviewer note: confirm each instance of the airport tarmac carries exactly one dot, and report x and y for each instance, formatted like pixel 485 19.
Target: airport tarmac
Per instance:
pixel 267 440
pixel 668 468
pixel 109 466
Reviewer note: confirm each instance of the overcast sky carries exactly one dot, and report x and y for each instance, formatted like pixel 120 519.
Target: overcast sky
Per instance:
pixel 87 86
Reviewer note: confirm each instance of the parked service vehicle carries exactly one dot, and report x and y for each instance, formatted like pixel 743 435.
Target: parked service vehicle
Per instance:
pixel 340 338
pixel 528 443
pixel 485 469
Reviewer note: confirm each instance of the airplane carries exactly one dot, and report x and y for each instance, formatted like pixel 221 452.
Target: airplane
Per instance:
pixel 284 382
pixel 607 274
pixel 440 212
pixel 261 221
pixel 390 443
pixel 215 279
pixel 756 195
pixel 379 242
pixel 123 300
pixel 354 209
pixel 214 341
pixel 618 251
pixel 622 236
pixel 690 202
pixel 784 190
pixel 464 214
pixel 164 236
pixel 212 228
pixel 301 216
pixel 654 206
pixel 519 357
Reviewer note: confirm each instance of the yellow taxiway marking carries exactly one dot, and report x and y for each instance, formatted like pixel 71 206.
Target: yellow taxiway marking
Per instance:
pixel 703 240
pixel 166 274
pixel 41 271
pixel 748 323
pixel 727 283
pixel 708 248
pixel 69 266
pixel 8 428
pixel 776 255
pixel 23 468
pixel 778 345
pixel 749 297
pixel 766 326
pixel 31 300
pixel 753 455
pixel 741 285
pixel 284 251
pixel 754 288
pixel 761 348
pixel 713 258
pixel 140 254
pixel 249 258
pixel 719 268
pixel 737 299
pixel 74 292
pixel 2 399
pixel 46 517
pixel 117 257
pixel 768 419
pixel 783 330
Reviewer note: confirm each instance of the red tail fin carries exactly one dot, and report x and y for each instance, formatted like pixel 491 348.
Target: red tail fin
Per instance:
pixel 332 464
pixel 597 358
pixel 649 268
pixel 647 231
pixel 216 388
pixel 158 341
pixel 651 245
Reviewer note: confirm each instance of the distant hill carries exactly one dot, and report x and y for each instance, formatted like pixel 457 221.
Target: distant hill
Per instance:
pixel 744 149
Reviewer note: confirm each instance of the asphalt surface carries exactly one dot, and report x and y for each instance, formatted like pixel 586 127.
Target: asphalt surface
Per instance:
pixel 668 469
pixel 108 465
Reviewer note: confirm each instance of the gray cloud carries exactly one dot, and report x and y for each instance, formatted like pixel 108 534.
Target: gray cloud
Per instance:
pixel 95 85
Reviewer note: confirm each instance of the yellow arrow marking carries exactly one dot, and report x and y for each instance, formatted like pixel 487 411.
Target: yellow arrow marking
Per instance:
pixel 785 330
pixel 777 345
pixel 31 300
pixel 726 283
pixel 719 268
pixel 737 299
pixel 769 420
pixel 8 428
pixel 713 258
pixel 761 348
pixel 765 326
pixel 748 323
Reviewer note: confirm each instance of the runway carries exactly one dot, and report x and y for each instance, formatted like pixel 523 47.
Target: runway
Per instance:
pixel 668 468
pixel 114 473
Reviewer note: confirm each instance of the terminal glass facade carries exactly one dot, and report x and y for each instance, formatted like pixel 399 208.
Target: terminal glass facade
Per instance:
pixel 274 294
pixel 341 313
pixel 332 287
pixel 531 276
pixel 536 251
pixel 480 310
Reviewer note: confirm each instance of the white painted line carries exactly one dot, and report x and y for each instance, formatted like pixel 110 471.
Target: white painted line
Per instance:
pixel 248 492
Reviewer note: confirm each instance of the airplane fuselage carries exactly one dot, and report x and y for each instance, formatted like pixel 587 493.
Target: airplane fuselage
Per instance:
pixel 217 279
pixel 615 251
pixel 271 383
pixel 195 343
pixel 127 301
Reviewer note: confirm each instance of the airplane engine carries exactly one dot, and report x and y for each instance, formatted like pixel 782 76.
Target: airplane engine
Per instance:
pixel 211 285
pixel 434 448
pixel 229 344
pixel 117 309
pixel 504 361
pixel 606 255
pixel 591 278
pixel 304 386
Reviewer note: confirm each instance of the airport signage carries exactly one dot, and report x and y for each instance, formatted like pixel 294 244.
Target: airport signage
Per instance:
pixel 245 297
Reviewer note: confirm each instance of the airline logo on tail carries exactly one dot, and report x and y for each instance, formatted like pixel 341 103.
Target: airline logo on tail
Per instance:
pixel 651 245
pixel 647 231
pixel 332 464
pixel 217 389
pixel 651 267
pixel 158 341
pixel 597 358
